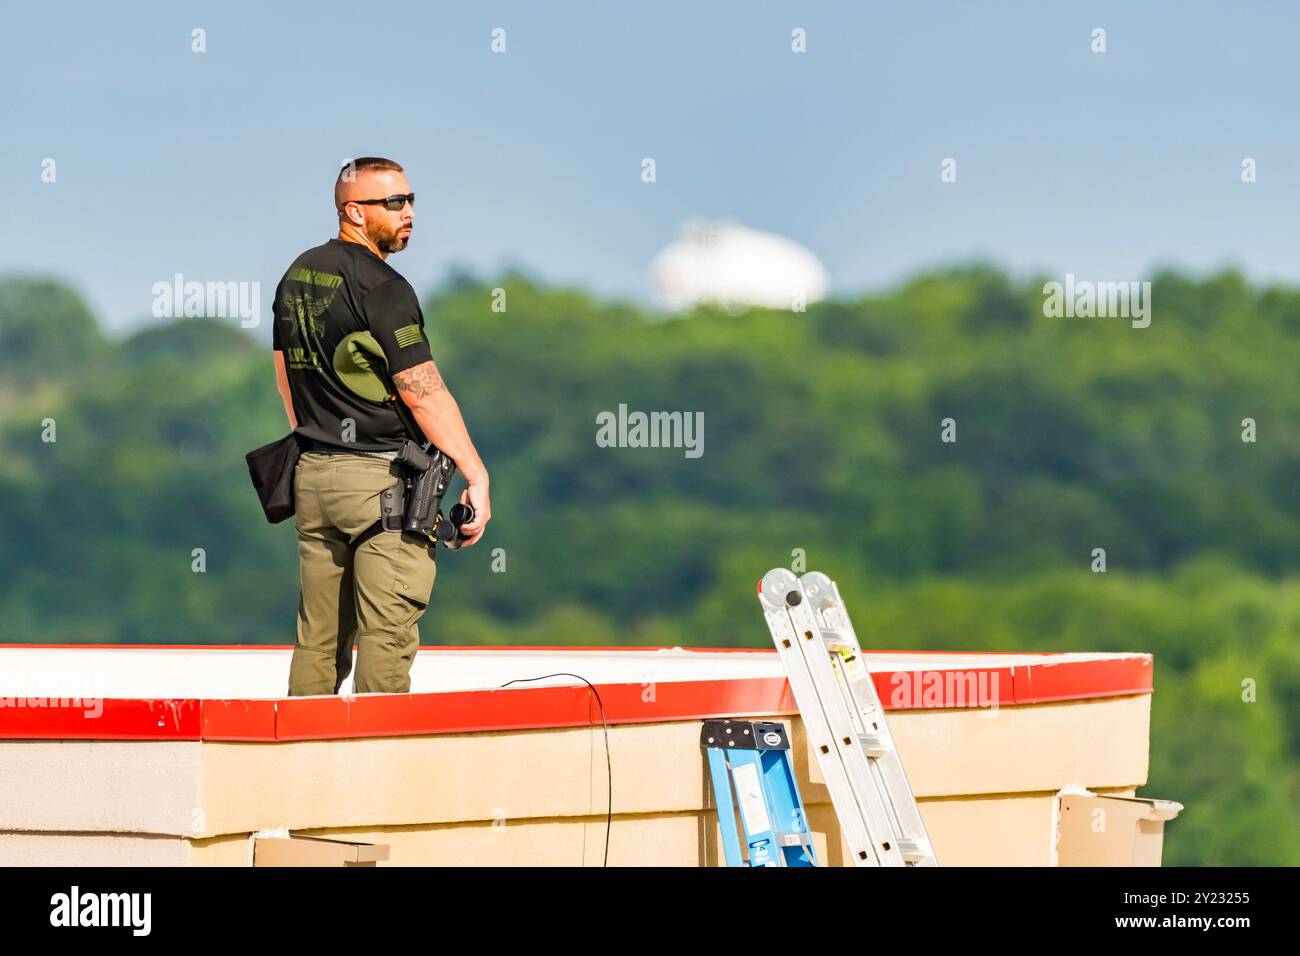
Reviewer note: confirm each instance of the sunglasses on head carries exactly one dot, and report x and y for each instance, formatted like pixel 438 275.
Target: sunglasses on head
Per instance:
pixel 391 203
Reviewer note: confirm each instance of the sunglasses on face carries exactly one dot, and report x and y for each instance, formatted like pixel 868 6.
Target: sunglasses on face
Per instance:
pixel 391 203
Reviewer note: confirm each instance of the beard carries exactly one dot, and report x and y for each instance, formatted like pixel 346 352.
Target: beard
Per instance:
pixel 387 239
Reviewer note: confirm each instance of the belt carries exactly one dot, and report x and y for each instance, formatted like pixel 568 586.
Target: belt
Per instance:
pixel 311 444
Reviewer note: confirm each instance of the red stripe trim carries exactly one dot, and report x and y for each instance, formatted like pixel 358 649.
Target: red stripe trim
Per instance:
pixel 314 718
pixel 514 709
pixel 1048 681
pixel 237 719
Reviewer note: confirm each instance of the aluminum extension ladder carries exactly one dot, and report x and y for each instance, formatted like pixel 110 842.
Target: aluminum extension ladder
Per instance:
pixel 844 720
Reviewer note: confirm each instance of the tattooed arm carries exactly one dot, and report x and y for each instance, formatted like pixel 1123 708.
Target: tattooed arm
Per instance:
pixel 421 387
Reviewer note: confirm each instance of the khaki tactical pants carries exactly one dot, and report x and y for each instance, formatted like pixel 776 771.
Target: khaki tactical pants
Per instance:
pixel 373 594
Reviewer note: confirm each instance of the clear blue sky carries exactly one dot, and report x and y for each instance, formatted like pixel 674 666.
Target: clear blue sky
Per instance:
pixel 219 165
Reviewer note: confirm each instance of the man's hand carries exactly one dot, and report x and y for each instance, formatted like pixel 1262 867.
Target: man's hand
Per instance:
pixel 476 495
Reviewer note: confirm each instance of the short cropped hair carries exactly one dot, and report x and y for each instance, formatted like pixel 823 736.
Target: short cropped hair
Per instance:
pixel 370 162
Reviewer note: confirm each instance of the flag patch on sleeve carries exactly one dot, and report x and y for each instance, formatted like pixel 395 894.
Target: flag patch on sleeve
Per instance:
pixel 408 335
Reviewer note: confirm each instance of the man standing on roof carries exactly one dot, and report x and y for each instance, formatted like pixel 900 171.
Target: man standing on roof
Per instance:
pixel 357 585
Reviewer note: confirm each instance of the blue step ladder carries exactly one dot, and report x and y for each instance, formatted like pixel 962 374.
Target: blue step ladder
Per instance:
pixel 749 764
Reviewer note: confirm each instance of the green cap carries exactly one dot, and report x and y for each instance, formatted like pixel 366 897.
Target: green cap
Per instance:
pixel 363 367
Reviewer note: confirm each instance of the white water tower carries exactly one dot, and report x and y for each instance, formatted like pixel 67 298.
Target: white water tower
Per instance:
pixel 725 263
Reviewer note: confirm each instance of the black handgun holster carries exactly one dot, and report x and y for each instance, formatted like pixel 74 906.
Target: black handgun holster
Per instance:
pixel 392 505
pixel 413 503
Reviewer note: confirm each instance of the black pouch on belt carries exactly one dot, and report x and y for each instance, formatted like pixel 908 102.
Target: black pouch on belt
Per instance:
pixel 271 468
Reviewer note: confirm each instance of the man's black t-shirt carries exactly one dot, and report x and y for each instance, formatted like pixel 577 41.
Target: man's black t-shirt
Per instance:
pixel 329 292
